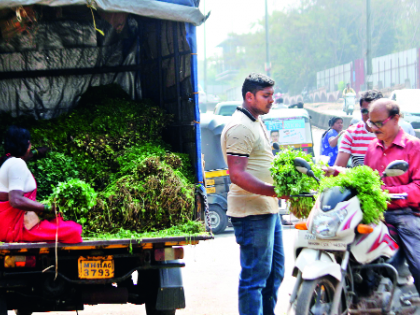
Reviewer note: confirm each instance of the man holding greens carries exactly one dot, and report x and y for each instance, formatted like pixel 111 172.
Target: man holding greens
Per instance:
pixel 252 202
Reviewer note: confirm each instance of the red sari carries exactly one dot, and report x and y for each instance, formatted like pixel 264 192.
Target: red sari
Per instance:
pixel 13 230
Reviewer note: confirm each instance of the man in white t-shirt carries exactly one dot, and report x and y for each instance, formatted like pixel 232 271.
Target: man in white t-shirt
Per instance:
pixel 252 201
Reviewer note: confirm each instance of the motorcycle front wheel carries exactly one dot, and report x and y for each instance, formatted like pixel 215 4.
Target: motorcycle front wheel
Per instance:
pixel 316 296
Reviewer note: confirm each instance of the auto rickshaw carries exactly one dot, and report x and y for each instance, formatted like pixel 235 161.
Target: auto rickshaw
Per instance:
pixel 216 171
pixel 290 128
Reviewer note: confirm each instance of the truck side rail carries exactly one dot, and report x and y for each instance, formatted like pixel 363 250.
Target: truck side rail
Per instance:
pixel 117 243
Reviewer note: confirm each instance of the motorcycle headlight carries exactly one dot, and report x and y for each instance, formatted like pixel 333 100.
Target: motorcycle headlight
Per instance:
pixel 325 225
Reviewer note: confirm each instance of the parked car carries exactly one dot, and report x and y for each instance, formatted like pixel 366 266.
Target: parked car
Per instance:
pixel 409 101
pixel 226 108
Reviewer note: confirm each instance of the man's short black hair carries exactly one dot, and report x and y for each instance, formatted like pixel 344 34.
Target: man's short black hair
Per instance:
pixel 370 96
pixel 273 131
pixel 255 82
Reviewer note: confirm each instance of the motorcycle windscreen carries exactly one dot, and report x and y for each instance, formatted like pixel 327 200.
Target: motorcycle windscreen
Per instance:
pixel 332 196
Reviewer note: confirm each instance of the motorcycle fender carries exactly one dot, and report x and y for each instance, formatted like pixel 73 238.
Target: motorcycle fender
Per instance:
pixel 312 268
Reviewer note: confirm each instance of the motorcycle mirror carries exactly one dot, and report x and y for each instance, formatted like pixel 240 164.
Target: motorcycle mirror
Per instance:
pixel 302 166
pixel 276 146
pixel 395 168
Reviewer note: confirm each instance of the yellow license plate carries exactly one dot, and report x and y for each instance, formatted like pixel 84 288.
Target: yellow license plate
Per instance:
pixel 101 267
pixel 211 190
pixel 210 182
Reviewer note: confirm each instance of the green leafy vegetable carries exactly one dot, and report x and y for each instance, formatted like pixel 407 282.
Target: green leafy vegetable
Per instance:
pixel 74 199
pixel 288 181
pixel 367 183
pixel 109 151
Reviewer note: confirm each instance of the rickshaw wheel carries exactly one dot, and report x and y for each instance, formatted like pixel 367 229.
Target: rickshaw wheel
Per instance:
pixel 218 219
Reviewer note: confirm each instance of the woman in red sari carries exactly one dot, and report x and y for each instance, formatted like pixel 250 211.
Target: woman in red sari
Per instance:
pixel 18 206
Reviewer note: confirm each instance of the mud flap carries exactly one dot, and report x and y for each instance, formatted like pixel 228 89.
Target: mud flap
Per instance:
pixel 171 290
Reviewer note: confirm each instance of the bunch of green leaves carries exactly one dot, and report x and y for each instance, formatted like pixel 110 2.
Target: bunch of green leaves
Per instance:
pixel 74 199
pixel 367 183
pixel 103 126
pixel 289 181
pixel 152 197
pixel 54 168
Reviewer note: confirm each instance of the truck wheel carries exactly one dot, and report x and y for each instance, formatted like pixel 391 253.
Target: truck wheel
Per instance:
pixel 151 310
pixel 218 219
pixel 3 304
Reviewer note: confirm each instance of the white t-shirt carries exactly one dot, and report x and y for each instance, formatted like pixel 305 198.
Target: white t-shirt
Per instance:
pixel 15 175
pixel 246 136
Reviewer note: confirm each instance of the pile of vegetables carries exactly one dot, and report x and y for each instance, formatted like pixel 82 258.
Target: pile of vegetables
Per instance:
pixel 109 168
pixel 367 183
pixel 288 181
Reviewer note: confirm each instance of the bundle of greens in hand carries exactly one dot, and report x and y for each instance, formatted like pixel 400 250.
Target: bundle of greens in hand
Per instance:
pixel 288 181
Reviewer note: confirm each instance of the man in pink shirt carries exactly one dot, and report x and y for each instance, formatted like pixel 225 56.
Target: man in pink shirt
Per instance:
pixel 391 144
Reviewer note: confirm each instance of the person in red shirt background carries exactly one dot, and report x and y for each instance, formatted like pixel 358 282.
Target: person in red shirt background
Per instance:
pixel 393 143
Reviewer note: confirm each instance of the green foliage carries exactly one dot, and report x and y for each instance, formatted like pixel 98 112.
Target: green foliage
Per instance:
pixel 310 36
pixel 74 198
pixel 54 168
pixel 288 181
pixel 188 229
pixel 367 183
pixel 152 197
pixel 114 145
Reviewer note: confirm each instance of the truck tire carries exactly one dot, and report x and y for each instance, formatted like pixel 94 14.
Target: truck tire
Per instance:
pixel 3 304
pixel 151 310
pixel 218 219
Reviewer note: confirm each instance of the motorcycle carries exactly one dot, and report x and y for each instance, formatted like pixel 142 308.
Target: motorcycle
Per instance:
pixel 345 267
pixel 349 101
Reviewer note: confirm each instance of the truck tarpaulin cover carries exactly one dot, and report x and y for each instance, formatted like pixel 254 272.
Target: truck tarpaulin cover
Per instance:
pixel 51 59
pixel 50 54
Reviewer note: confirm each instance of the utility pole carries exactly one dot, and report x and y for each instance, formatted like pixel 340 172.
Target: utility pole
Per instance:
pixel 267 45
pixel 369 83
pixel 205 54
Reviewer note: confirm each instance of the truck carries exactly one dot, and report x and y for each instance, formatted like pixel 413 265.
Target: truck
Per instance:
pixel 50 53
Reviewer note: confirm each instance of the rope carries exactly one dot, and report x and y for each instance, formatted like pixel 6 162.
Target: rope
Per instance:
pixel 90 5
pixel 56 244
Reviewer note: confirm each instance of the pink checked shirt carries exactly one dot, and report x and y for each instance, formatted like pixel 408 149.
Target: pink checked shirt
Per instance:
pixel 404 147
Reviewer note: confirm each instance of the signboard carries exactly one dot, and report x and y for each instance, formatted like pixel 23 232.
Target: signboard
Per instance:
pixel 286 130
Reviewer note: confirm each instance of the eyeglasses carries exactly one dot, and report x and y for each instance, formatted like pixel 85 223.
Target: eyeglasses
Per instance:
pixel 379 124
pixel 364 111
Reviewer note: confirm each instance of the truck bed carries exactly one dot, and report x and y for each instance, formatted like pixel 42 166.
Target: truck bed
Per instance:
pixel 108 244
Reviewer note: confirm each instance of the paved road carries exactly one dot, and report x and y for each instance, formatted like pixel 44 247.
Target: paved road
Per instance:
pixel 211 275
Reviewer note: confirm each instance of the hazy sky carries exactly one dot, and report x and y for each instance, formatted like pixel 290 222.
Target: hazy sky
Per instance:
pixel 228 16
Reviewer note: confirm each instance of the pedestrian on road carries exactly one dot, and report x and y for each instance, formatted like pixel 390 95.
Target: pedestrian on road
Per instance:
pixel 329 140
pixel 252 201
pixel 357 137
